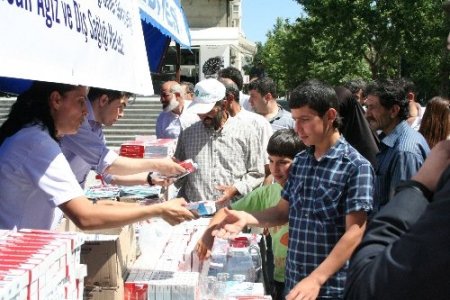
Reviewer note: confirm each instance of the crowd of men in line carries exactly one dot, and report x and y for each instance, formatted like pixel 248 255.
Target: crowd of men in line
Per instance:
pixel 332 191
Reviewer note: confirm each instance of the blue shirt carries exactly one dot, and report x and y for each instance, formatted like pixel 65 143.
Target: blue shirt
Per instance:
pixel 86 150
pixel 320 194
pixel 402 153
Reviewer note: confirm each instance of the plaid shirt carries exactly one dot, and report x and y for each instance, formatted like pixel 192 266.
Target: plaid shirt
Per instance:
pixel 231 156
pixel 320 194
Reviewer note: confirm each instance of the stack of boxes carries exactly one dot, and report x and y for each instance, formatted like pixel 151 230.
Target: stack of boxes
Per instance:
pixel 160 148
pixel 103 192
pixel 148 147
pixel 40 264
pixel 173 272
pixel 133 149
pixel 170 269
pixel 108 254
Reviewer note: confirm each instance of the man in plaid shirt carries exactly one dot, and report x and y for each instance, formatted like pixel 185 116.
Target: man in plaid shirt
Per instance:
pixel 227 150
pixel 326 199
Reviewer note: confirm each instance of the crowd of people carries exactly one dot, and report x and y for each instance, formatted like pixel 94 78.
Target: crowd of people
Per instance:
pixel 352 182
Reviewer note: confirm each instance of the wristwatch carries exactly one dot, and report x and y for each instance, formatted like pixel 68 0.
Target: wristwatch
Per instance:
pixel 415 185
pixel 149 179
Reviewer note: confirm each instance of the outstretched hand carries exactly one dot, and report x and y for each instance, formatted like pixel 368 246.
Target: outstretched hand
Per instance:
pixel 204 246
pixel 233 223
pixel 162 181
pixel 174 211
pixel 169 168
pixel 307 289
pixel 227 193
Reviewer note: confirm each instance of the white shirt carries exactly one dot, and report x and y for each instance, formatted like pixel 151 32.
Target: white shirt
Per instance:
pixel 244 101
pixel 169 125
pixel 262 127
pixel 35 178
pixel 418 120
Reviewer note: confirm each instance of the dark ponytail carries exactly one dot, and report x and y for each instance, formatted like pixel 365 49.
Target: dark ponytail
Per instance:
pixel 32 107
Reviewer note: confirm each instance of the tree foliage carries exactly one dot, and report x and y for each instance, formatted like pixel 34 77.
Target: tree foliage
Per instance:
pixel 337 40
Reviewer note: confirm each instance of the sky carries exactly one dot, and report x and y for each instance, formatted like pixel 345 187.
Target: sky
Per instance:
pixel 259 16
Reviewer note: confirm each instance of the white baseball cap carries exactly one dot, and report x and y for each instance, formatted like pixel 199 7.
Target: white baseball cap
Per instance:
pixel 206 93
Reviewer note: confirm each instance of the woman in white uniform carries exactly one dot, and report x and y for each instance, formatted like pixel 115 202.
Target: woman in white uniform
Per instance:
pixel 35 177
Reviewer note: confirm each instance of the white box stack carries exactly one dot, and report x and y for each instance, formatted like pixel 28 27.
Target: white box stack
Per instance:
pixel 160 148
pixel 171 273
pixel 40 264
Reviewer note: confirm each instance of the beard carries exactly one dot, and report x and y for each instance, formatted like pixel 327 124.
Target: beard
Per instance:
pixel 214 122
pixel 171 105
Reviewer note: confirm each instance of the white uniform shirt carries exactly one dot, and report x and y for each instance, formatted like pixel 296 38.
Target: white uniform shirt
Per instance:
pixel 262 127
pixel 418 120
pixel 244 101
pixel 170 125
pixel 35 178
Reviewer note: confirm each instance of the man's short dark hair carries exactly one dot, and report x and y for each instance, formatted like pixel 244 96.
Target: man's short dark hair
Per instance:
pixel 390 93
pixel 95 93
pixel 407 85
pixel 233 74
pixel 355 85
pixel 230 87
pixel 286 143
pixel 264 86
pixel 318 96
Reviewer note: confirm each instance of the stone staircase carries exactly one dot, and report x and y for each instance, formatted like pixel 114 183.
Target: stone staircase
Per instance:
pixel 140 119
pixel 5 105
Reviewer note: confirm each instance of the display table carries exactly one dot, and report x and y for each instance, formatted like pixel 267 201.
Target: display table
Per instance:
pixel 168 266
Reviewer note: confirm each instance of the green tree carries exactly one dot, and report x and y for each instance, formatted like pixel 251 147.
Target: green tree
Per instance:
pixel 373 39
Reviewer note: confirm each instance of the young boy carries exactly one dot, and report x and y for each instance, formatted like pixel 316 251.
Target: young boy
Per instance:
pixel 282 147
pixel 326 200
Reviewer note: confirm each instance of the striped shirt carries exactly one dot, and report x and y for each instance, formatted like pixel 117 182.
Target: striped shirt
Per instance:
pixel 231 156
pixel 402 153
pixel 262 127
pixel 320 194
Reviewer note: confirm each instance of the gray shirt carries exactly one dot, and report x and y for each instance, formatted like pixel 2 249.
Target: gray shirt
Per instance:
pixel 283 120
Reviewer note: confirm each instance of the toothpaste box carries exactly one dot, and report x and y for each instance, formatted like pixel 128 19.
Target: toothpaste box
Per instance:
pixel 203 208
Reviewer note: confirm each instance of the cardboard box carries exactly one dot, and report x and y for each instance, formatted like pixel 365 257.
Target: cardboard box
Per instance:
pixel 103 293
pixel 108 254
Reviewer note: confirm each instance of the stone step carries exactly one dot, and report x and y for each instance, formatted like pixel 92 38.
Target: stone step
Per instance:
pixel 128 130
pixel 124 138
pixel 135 121
pixel 125 129
pixel 140 114
pixel 117 141
pixel 5 106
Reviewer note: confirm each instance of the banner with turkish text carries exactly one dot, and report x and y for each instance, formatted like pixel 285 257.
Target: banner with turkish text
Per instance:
pixel 94 43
